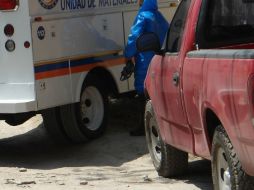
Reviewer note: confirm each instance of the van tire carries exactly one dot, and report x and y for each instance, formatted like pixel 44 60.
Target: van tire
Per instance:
pixel 226 168
pixel 167 160
pixel 53 125
pixel 70 124
pixel 86 119
pixel 65 123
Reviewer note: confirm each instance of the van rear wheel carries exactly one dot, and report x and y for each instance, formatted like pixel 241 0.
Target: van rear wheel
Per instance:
pixel 81 121
pixel 86 119
pixel 53 125
pixel 167 160
pixel 92 110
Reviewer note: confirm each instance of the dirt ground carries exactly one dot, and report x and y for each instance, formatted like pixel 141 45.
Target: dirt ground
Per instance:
pixel 31 160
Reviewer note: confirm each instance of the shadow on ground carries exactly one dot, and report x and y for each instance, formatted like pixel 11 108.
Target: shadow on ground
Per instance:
pixel 35 150
pixel 198 174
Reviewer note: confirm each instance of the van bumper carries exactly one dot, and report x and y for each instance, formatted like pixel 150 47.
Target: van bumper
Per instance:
pixel 17 98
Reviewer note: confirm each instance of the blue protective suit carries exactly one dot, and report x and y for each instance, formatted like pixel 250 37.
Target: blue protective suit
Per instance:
pixel 149 19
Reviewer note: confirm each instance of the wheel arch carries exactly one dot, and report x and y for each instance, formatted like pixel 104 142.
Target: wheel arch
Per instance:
pixel 147 96
pixel 211 122
pixel 103 75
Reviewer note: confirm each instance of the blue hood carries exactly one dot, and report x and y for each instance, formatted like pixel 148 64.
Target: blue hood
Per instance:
pixel 149 5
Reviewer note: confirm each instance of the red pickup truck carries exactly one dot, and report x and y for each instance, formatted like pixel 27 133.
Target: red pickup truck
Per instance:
pixel 200 89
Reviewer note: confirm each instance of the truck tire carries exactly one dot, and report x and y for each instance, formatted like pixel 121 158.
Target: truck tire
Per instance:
pixel 87 119
pixel 167 160
pixel 53 125
pixel 227 171
pixel 82 121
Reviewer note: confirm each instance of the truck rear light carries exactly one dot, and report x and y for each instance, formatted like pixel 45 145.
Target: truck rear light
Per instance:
pixel 9 30
pixel 27 44
pixel 6 5
pixel 10 45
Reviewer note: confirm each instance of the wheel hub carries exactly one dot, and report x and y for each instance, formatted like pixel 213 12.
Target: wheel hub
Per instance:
pixel 86 120
pixel 92 108
pixel 155 140
pixel 223 171
pixel 227 178
pixel 88 102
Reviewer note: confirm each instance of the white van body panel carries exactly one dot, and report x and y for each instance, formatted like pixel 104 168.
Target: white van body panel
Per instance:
pixel 68 39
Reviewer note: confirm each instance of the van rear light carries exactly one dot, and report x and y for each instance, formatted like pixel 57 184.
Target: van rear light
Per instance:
pixel 10 45
pixel 9 30
pixel 6 5
pixel 27 44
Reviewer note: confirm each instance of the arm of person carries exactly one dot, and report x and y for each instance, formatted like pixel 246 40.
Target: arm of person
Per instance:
pixel 136 30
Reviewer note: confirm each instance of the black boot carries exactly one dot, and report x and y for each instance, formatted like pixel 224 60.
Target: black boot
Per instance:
pixel 140 129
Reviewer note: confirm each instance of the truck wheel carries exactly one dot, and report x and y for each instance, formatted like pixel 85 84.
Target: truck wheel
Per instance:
pixel 80 122
pixel 86 119
pixel 226 169
pixel 168 161
pixel 52 123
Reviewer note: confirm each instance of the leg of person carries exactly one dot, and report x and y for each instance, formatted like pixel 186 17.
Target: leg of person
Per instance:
pixel 139 75
pixel 140 129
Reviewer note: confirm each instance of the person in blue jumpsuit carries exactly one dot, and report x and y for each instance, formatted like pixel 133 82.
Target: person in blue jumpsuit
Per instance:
pixel 148 19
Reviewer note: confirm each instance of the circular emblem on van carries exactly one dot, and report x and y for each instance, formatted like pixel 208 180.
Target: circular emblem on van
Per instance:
pixel 41 33
pixel 48 4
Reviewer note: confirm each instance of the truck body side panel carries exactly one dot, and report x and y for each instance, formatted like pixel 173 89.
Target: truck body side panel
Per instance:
pixel 220 80
pixel 242 79
pixel 227 78
pixel 193 90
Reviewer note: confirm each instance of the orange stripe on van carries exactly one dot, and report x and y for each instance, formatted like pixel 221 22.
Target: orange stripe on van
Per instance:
pixel 107 63
pixel 51 74
pixel 56 72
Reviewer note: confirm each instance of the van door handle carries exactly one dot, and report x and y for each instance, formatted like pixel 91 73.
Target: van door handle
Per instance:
pixel 176 78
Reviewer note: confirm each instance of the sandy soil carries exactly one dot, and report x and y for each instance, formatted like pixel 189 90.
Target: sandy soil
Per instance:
pixel 116 161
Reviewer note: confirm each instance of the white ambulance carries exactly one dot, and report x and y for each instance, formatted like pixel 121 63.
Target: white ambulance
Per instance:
pixel 62 58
